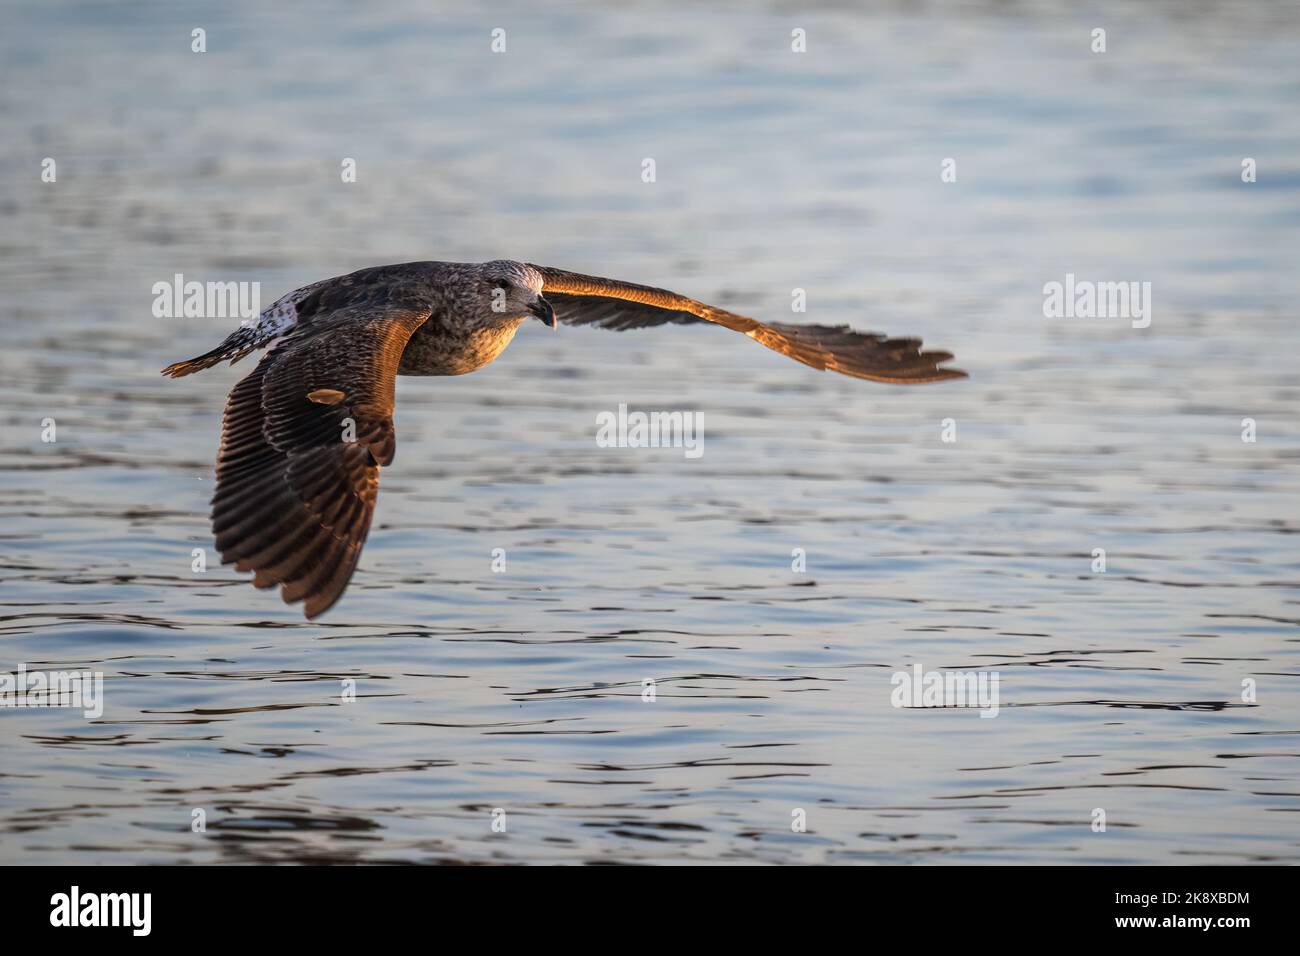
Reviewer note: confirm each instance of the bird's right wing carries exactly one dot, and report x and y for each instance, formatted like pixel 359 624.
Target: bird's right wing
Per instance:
pixel 610 304
pixel 302 440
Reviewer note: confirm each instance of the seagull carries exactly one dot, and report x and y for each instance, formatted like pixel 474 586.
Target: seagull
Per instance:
pixel 305 433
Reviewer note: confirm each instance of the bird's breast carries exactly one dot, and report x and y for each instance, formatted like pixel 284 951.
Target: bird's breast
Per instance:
pixel 439 349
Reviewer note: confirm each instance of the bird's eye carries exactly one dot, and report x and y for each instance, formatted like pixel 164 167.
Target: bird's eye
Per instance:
pixel 503 284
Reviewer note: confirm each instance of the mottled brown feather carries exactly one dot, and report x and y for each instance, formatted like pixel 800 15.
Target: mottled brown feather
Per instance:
pixel 607 303
pixel 294 499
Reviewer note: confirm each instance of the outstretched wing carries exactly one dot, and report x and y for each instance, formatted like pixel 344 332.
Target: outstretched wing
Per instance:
pixel 609 304
pixel 302 441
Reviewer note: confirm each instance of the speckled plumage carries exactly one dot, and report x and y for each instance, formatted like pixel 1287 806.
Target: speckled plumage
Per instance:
pixel 305 433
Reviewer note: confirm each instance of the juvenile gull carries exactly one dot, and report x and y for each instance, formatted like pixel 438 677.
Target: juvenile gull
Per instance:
pixel 306 432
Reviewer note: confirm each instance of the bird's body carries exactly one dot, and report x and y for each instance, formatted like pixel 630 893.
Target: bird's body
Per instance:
pixel 306 432
pixel 443 346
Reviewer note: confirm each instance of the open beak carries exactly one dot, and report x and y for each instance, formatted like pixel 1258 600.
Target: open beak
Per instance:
pixel 541 309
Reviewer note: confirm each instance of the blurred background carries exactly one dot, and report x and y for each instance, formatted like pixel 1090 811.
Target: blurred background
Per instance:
pixel 775 170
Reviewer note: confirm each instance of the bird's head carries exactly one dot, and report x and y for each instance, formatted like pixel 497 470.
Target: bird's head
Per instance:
pixel 513 291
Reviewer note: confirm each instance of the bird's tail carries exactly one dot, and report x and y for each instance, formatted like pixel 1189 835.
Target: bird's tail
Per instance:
pixel 237 344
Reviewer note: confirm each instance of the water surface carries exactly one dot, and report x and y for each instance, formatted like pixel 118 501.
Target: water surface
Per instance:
pixel 523 690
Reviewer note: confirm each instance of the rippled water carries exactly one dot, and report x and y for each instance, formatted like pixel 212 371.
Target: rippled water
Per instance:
pixel 522 690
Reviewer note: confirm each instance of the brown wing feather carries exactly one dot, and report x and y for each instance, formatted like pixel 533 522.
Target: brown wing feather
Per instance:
pixel 607 303
pixel 609 313
pixel 294 497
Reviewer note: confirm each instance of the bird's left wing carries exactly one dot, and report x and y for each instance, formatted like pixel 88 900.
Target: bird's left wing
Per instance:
pixel 610 304
pixel 302 441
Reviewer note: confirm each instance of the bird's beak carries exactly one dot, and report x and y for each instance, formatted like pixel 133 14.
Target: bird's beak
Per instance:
pixel 541 309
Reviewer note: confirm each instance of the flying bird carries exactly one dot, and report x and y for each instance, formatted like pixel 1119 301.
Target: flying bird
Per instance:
pixel 305 433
